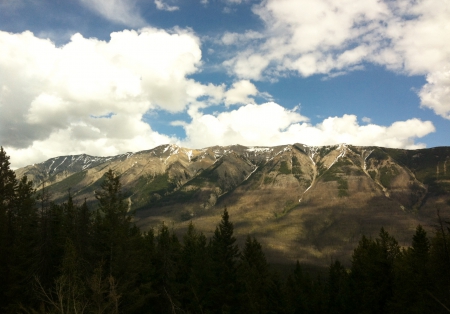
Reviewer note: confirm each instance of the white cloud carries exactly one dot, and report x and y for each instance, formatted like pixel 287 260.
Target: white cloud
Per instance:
pixel 333 37
pixel 239 93
pixel 236 38
pixel 162 5
pixel 69 142
pixel 311 36
pixel 91 95
pixel 50 94
pixel 271 124
pixel 404 35
pixel 119 11
pixel 436 93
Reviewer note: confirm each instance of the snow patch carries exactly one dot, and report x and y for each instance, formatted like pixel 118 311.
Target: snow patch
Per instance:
pixel 343 150
pixel 365 159
pixel 189 155
pixel 60 164
pixel 259 149
pixel 251 173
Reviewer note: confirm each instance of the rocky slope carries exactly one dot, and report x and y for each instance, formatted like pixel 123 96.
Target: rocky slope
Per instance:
pixel 302 202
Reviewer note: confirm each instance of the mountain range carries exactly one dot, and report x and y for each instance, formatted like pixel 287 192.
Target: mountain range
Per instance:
pixel 306 203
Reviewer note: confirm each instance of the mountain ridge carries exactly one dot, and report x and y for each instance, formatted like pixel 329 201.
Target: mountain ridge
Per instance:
pixel 304 202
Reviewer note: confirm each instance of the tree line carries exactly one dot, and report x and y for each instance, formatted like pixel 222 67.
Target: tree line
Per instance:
pixel 68 258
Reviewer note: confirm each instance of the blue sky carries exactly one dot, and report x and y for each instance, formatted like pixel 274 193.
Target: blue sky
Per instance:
pixel 105 77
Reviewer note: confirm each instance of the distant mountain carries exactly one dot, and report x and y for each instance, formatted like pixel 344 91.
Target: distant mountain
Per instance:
pixel 301 202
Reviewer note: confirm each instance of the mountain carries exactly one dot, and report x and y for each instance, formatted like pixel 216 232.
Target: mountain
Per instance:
pixel 301 202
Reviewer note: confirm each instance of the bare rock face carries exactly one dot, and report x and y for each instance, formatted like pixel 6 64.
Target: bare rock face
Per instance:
pixel 304 203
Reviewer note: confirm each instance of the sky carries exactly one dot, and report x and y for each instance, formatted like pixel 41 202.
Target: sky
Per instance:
pixel 105 77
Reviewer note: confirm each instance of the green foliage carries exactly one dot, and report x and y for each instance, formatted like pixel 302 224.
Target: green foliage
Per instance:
pixel 224 256
pixel 68 182
pixel 284 169
pixel 325 150
pixel 342 187
pixel 255 277
pixel 387 175
pixel 372 272
pixel 373 174
pixel 378 154
pixel 335 171
pixel 338 289
pixel 268 180
pixel 158 183
pixel 296 167
pixel 148 187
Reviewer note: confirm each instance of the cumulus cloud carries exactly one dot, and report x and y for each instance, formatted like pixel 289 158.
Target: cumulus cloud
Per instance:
pixel 239 93
pixel 164 6
pixel 90 95
pixel 272 124
pixel 436 93
pixel 311 36
pixel 93 92
pixel 333 37
pixel 119 11
pixel 82 138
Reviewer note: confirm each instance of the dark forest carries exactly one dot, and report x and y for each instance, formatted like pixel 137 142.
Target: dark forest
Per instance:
pixel 71 258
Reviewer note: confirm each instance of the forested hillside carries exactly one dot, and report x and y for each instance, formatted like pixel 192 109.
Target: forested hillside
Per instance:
pixel 69 258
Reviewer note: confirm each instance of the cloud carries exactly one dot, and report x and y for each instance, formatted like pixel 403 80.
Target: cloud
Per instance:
pixel 161 5
pixel 80 139
pixel 271 124
pixel 366 120
pixel 239 93
pixel 118 11
pixel 50 93
pixel 236 38
pixel 90 95
pixel 310 37
pixel 320 36
pixel 435 94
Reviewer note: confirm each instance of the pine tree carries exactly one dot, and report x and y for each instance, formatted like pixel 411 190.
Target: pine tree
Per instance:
pixel 412 281
pixel 8 185
pixel 338 289
pixel 194 272
pixel 23 253
pixel 115 223
pixel 224 253
pixel 372 273
pixel 166 263
pixel 299 291
pixel 439 265
pixel 255 276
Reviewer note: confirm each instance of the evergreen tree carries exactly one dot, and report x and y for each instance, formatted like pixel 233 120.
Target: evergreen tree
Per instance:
pixel 412 280
pixel 166 262
pixel 224 255
pixel 8 184
pixel 299 291
pixel 23 253
pixel 255 277
pixel 115 223
pixel 372 273
pixel 194 273
pixel 439 266
pixel 276 299
pixel 338 289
